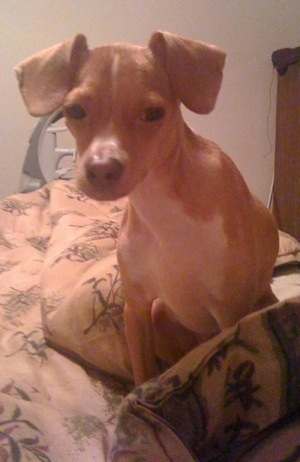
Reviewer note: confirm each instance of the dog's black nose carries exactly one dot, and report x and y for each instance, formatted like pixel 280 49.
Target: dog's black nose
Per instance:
pixel 103 172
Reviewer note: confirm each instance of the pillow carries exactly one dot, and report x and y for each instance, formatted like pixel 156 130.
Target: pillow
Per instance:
pixel 289 250
pixel 82 298
pixel 223 398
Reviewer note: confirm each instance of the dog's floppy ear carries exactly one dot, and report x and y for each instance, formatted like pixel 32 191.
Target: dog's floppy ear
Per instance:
pixel 194 69
pixel 46 77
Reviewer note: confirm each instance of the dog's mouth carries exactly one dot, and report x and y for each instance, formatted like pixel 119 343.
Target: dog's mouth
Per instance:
pixel 101 193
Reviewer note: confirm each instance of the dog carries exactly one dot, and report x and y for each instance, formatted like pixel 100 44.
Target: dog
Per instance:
pixel 196 249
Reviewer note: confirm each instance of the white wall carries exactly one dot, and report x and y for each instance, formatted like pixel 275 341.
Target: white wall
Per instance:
pixel 248 30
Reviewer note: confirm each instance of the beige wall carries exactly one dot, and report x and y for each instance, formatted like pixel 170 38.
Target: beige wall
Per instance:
pixel 248 30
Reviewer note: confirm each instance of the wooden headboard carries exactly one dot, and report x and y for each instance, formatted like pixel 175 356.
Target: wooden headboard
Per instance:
pixel 286 199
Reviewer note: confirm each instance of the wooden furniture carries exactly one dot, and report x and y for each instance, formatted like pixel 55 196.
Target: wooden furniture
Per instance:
pixel 286 199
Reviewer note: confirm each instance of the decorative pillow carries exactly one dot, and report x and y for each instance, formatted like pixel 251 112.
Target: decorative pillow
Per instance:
pixel 224 399
pixel 82 299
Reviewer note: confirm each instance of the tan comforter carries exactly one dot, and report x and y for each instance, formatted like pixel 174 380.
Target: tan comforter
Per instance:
pixel 234 398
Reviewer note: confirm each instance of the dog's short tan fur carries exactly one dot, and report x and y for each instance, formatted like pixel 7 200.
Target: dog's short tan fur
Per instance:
pixel 196 249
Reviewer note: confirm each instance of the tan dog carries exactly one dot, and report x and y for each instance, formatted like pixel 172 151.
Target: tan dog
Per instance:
pixel 195 246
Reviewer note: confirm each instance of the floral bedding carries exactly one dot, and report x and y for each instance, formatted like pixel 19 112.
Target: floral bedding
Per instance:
pixel 51 409
pixel 65 384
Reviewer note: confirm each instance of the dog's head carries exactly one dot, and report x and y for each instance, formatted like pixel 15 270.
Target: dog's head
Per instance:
pixel 121 102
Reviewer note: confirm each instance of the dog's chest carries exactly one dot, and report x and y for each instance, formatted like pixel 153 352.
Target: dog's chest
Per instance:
pixel 173 256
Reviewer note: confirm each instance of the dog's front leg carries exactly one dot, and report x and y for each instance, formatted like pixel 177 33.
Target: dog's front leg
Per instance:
pixel 140 340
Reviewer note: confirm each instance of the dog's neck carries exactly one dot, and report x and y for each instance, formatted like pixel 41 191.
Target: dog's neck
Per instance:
pixel 169 180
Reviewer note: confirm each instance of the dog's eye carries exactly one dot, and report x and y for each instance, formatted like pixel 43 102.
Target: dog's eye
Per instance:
pixel 75 111
pixel 152 114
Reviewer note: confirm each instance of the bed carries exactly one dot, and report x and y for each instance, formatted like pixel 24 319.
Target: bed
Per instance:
pixel 66 390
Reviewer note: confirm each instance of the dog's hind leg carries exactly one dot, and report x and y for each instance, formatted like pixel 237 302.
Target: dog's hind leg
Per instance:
pixel 171 339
